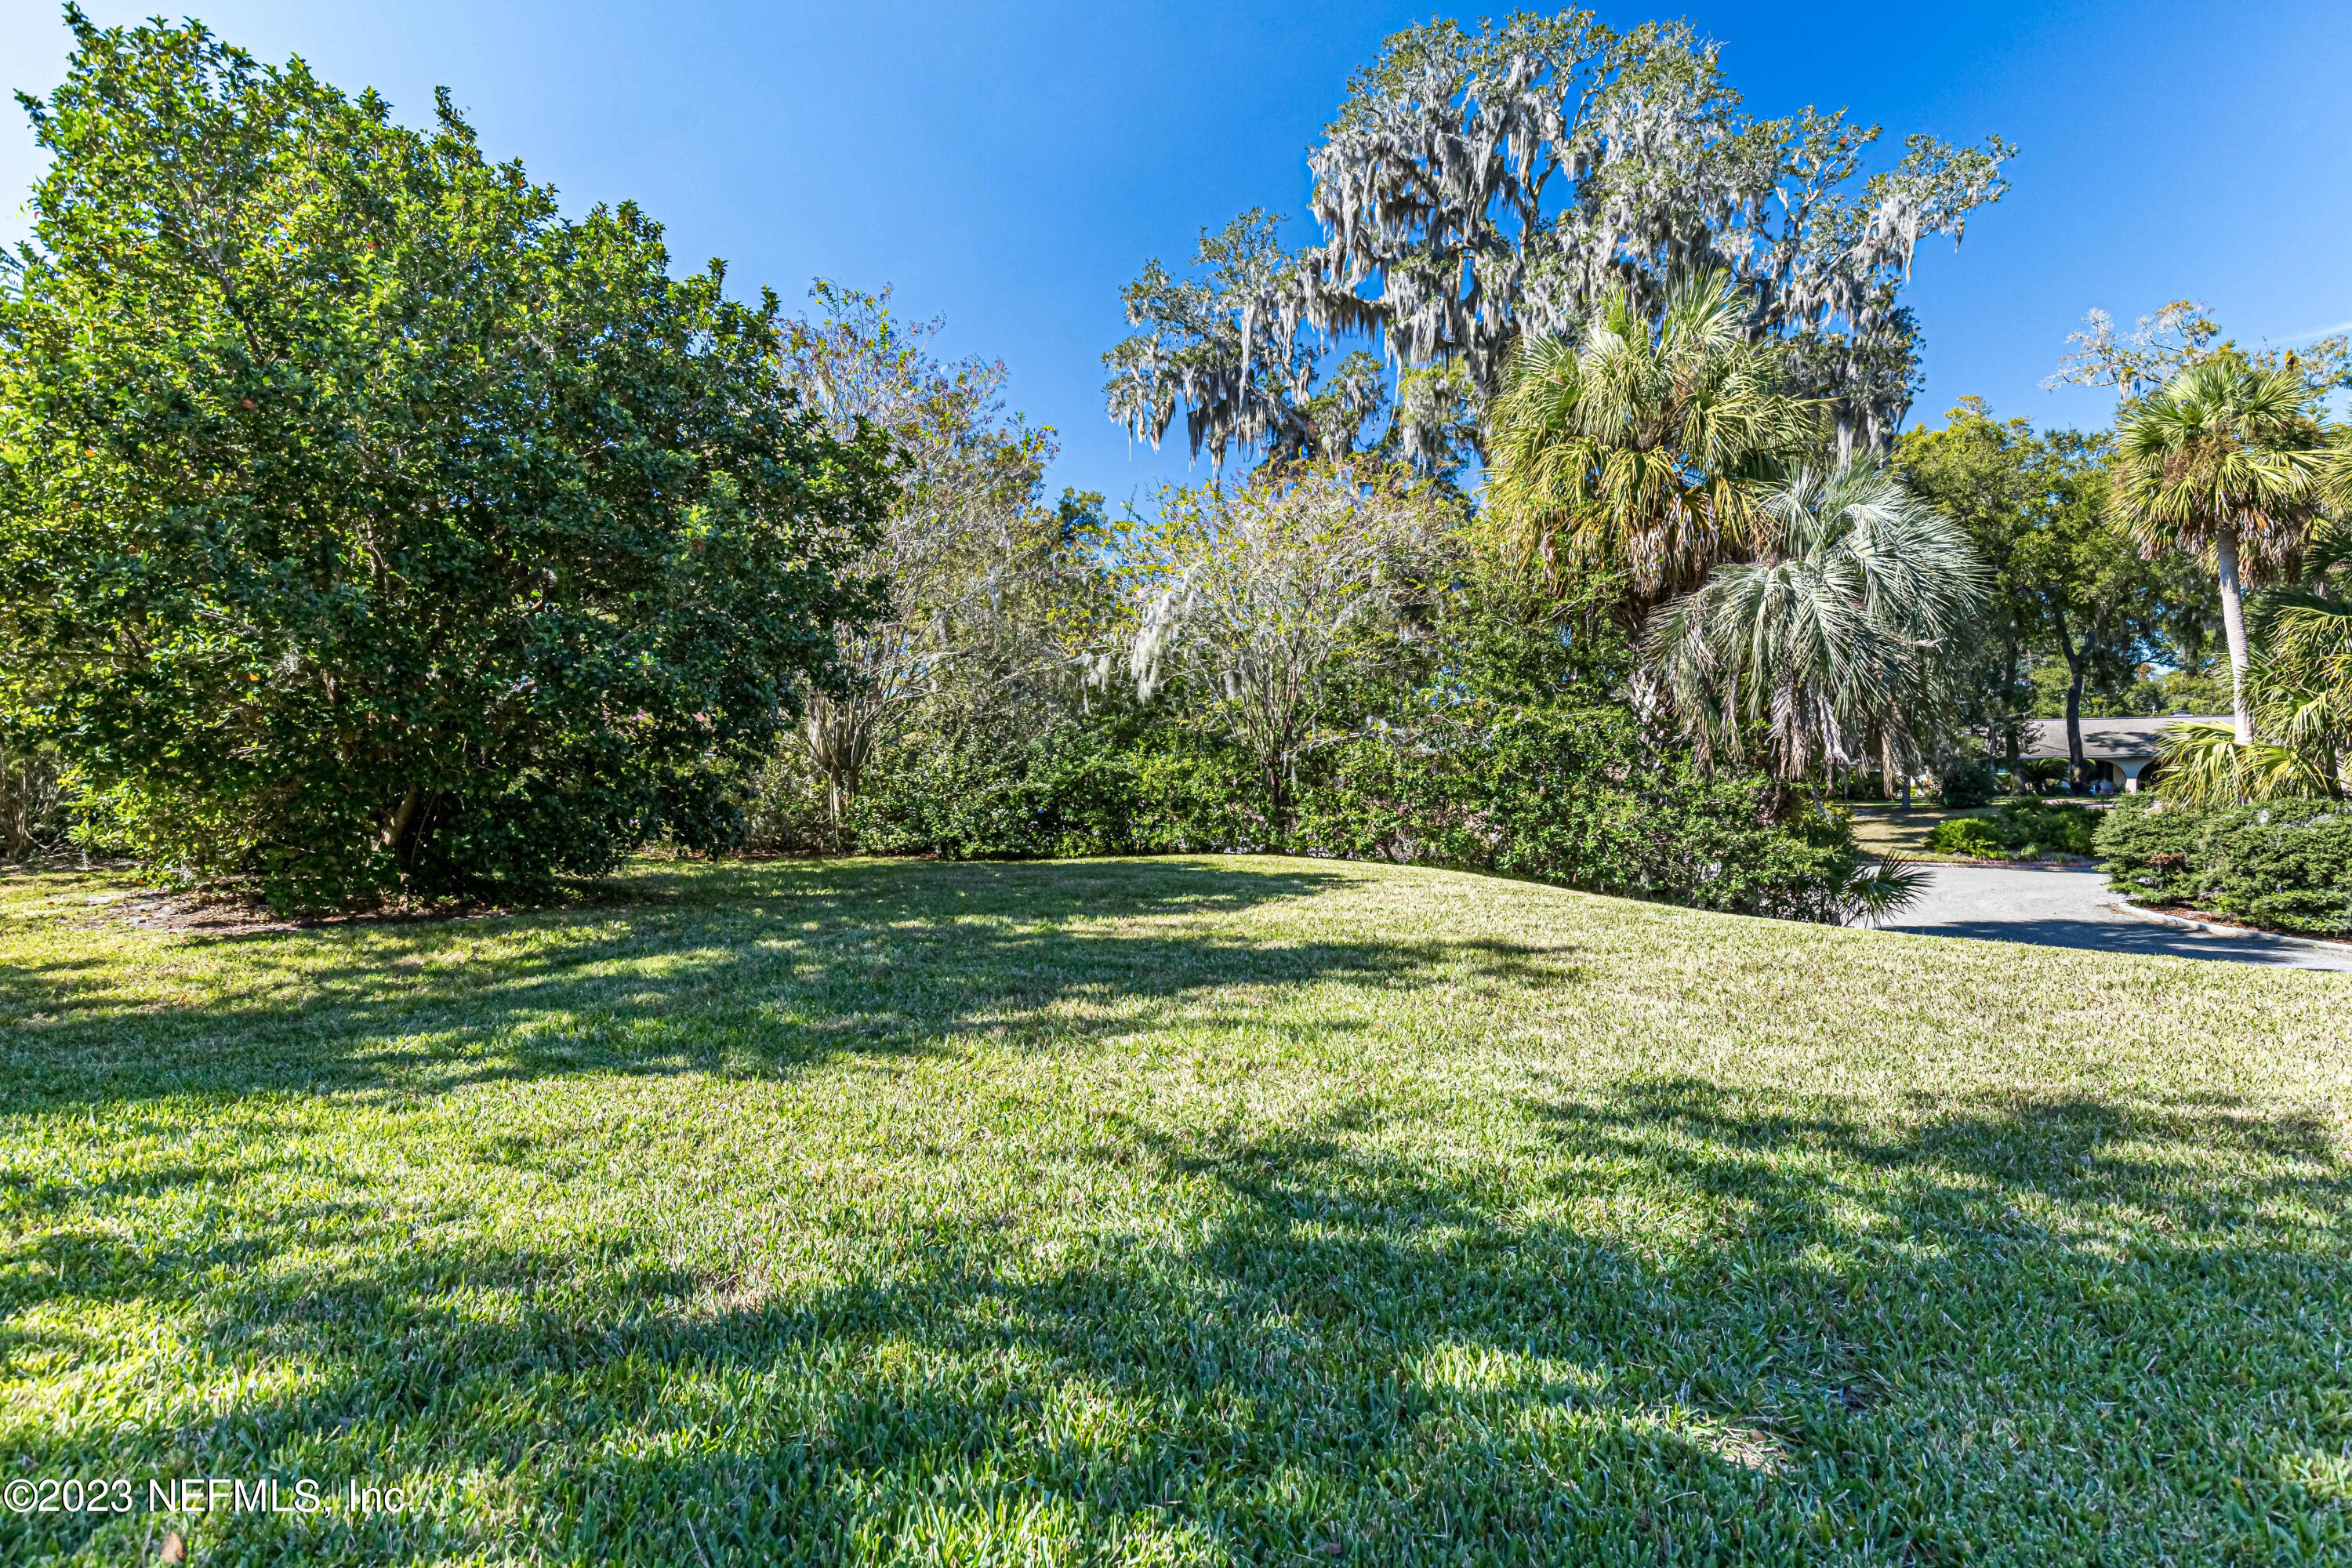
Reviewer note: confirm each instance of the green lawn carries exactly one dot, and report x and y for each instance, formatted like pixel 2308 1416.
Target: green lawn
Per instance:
pixel 1885 830
pixel 1192 1211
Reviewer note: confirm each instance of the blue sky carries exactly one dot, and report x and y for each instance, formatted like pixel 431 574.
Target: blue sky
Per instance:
pixel 1010 165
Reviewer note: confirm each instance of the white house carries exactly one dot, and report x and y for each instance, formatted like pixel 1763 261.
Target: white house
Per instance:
pixel 2119 753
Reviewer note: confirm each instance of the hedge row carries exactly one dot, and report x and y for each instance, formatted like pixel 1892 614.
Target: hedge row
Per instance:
pixel 2287 865
pixel 1576 798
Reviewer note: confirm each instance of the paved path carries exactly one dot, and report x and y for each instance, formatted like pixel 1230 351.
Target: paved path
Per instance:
pixel 2073 908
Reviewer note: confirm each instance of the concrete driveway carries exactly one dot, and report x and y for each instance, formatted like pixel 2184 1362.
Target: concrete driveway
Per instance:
pixel 2074 908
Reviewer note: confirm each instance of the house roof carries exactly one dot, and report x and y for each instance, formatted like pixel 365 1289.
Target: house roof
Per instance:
pixel 2106 740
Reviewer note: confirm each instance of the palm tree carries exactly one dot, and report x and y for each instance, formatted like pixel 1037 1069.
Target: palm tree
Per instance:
pixel 2309 629
pixel 2226 456
pixel 2298 692
pixel 1643 445
pixel 1825 643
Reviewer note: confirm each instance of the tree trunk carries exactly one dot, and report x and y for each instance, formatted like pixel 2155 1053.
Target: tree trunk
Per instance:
pixel 404 819
pixel 2233 622
pixel 840 789
pixel 1277 806
pixel 2009 703
pixel 2075 766
pixel 837 743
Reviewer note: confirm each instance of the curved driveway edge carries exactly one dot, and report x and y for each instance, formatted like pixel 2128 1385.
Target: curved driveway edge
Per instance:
pixel 2074 908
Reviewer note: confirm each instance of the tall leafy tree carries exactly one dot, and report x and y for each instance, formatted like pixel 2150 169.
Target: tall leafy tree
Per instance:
pixel 1979 472
pixel 2299 679
pixel 364 523
pixel 971 561
pixel 1255 600
pixel 2105 605
pixel 1641 445
pixel 2066 582
pixel 2227 459
pixel 1481 185
pixel 1250 378
pixel 2137 360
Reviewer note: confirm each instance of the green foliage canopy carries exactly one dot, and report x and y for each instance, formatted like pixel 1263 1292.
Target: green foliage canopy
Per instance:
pixel 364 523
pixel 1499 748
pixel 1480 185
pixel 2066 580
pixel 1261 600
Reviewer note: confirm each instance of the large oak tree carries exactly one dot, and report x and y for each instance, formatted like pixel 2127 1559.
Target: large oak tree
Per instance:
pixel 1478 186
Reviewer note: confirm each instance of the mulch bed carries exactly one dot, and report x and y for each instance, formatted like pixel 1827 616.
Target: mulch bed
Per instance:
pixel 217 913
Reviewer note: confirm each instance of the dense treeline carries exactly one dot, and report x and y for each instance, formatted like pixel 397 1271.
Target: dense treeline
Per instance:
pixel 369 530
pixel 1503 745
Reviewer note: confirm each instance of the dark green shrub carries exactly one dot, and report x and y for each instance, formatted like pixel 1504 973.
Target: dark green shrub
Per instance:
pixel 1576 798
pixel 2028 830
pixel 2147 846
pixel 1508 751
pixel 1970 835
pixel 1965 781
pixel 2034 830
pixel 2044 772
pixel 2287 865
pixel 1115 785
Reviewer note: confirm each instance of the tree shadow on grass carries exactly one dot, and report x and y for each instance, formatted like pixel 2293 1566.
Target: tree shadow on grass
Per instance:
pixel 1661 1321
pixel 2078 1154
pixel 1653 1320
pixel 2125 936
pixel 758 969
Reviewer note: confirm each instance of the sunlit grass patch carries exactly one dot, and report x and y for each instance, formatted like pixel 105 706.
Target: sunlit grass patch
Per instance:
pixel 1185 1211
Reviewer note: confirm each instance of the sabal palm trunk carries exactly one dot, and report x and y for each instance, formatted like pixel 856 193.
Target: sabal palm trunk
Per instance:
pixel 2233 623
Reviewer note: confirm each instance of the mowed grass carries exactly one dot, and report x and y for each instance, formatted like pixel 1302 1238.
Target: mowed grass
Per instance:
pixel 1189 1211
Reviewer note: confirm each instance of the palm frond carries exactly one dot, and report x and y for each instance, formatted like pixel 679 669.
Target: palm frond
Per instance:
pixel 2204 765
pixel 2224 447
pixel 1825 648
pixel 1876 893
pixel 1634 442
